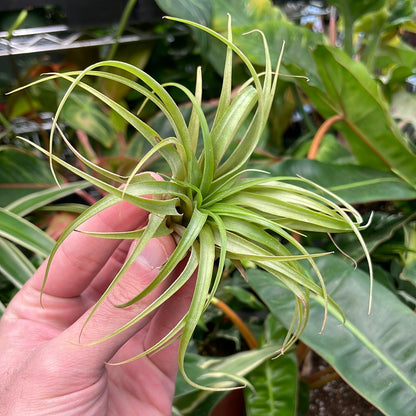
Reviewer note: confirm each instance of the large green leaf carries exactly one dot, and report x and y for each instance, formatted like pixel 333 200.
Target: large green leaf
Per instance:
pixel 355 184
pixel 194 10
pixel 275 382
pixel 250 15
pixel 347 88
pixel 21 173
pixel 190 401
pixel 24 233
pixel 374 352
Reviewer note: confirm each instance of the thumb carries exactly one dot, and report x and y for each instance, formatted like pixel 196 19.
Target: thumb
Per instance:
pixel 107 318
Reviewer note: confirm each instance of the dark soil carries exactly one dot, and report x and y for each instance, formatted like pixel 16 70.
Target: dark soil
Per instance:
pixel 335 398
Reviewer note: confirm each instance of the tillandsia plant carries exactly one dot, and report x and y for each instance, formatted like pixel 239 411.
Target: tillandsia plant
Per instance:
pixel 211 202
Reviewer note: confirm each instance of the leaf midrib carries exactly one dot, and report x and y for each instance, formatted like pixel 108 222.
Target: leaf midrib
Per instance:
pixel 365 341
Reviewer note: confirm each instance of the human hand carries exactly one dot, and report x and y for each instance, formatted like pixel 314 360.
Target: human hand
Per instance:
pixel 44 369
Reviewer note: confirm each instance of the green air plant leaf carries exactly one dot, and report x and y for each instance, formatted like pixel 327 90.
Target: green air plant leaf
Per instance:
pixel 209 202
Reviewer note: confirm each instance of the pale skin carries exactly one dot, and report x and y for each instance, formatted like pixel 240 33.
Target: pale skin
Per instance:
pixel 44 369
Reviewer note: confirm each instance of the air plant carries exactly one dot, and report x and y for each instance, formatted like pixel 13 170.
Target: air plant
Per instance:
pixel 210 202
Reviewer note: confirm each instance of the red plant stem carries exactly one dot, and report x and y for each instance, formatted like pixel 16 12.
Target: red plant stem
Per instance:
pixel 332 26
pixel 316 141
pixel 238 322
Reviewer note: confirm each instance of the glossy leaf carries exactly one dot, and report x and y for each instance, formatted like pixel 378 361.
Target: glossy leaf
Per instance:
pixel 374 353
pixel 267 17
pixel 275 382
pixel 409 273
pixel 21 173
pixel 35 200
pixel 81 112
pixel 194 10
pixel 355 184
pixel 347 88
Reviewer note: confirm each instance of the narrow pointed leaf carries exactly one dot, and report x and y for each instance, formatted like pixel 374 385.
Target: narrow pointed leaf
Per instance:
pixel 24 233
pixel 193 402
pixel 31 202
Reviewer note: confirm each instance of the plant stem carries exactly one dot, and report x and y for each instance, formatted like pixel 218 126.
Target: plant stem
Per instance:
pixel 316 141
pixel 332 26
pixel 122 25
pixel 237 321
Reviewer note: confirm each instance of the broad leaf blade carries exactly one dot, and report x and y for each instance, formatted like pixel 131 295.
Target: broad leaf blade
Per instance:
pixel 355 184
pixel 21 173
pixel 374 353
pixel 193 402
pixel 347 88
pixel 275 382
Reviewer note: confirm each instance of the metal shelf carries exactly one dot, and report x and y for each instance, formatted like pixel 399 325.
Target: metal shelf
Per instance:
pixel 60 38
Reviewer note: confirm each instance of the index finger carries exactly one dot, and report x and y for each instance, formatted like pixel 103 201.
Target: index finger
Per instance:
pixel 80 257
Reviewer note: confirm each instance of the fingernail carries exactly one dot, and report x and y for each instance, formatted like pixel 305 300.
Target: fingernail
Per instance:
pixel 153 255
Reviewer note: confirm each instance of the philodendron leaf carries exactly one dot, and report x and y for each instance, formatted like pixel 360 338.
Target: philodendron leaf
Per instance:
pixel 193 402
pixel 21 173
pixel 347 88
pixel 275 382
pixel 354 184
pixel 374 353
